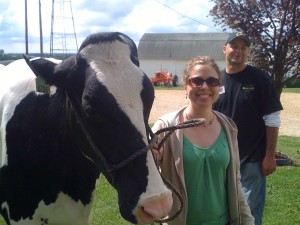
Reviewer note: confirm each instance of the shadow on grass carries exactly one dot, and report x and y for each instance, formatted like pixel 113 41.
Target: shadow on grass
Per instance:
pixel 293 163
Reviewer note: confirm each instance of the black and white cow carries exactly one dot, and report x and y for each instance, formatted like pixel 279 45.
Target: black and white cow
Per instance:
pixel 54 146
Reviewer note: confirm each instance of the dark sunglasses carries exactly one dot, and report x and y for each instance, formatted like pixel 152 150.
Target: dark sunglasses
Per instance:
pixel 198 81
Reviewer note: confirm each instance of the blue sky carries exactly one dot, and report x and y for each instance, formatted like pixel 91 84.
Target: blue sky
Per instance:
pixel 132 17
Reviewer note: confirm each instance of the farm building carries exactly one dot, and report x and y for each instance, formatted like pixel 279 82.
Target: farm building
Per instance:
pixel 170 51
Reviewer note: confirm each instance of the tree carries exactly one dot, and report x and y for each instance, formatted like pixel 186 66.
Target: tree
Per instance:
pixel 274 29
pixel 1 51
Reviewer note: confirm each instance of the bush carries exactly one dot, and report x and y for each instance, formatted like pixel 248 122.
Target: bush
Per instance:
pixel 295 83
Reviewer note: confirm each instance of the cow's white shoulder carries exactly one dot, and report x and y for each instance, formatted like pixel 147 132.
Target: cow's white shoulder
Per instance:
pixel 64 211
pixel 16 81
pixel 13 75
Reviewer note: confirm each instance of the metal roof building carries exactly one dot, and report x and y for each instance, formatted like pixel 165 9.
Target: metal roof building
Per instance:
pixel 170 51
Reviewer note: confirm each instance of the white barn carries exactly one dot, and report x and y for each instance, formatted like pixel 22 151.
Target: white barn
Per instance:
pixel 170 51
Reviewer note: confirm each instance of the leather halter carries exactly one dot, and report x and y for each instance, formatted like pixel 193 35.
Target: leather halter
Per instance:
pixel 94 154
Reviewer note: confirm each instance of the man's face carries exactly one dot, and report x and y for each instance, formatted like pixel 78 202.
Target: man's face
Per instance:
pixel 236 52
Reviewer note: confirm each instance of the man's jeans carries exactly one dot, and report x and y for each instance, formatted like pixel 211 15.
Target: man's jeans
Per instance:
pixel 254 187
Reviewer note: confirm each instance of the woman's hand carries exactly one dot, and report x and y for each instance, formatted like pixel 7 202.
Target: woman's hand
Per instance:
pixel 157 152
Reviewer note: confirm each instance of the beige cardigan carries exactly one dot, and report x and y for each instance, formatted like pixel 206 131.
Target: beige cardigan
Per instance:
pixel 171 165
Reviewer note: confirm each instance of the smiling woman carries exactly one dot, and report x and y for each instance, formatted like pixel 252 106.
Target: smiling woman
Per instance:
pixel 210 150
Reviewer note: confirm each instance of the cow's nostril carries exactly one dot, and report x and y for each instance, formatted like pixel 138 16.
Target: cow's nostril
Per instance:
pixel 154 208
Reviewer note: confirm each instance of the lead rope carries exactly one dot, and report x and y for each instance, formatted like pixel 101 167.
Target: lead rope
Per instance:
pixel 111 169
pixel 170 130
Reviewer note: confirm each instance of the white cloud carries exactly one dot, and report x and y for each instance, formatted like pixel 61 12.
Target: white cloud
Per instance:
pixel 133 17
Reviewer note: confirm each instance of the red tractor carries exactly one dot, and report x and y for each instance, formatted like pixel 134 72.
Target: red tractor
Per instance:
pixel 162 78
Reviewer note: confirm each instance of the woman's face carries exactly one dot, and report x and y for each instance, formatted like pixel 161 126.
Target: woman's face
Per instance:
pixel 203 94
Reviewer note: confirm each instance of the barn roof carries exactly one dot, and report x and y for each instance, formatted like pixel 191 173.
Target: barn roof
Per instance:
pixel 181 46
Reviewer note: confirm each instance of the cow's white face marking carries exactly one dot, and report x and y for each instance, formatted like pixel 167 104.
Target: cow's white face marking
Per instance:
pixel 64 211
pixel 123 80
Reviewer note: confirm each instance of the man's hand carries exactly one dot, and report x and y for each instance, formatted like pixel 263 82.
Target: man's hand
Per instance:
pixel 269 161
pixel 268 165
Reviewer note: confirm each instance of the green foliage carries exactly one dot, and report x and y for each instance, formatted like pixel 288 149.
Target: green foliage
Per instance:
pixel 293 83
pixel 41 86
pixel 15 56
pixel 10 56
pixel 283 193
pixel 274 29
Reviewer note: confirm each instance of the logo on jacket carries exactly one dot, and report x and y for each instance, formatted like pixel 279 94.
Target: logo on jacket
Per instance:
pixel 248 88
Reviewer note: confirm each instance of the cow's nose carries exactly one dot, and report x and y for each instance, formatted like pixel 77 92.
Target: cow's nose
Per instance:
pixel 154 207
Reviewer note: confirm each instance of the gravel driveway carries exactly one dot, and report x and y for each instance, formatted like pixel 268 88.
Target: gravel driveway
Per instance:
pixel 171 100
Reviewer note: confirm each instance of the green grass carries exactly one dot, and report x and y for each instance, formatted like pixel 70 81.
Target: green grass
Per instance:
pixel 283 193
pixel 291 90
pixel 168 88
pixel 106 204
pixel 283 187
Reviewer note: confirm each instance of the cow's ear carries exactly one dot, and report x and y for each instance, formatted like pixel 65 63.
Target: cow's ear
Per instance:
pixel 42 68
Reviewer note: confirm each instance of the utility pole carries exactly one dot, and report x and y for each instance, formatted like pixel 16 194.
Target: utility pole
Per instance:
pixel 26 29
pixel 41 30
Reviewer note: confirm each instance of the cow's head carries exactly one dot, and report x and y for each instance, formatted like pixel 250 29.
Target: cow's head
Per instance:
pixel 113 98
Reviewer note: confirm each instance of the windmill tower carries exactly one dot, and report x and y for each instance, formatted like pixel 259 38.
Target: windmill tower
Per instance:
pixel 63 38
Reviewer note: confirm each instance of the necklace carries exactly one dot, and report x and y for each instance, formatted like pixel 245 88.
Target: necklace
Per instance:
pixel 205 124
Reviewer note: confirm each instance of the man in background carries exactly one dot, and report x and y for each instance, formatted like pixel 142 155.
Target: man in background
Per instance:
pixel 248 96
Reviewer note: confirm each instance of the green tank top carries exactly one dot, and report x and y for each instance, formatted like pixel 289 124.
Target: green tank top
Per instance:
pixel 205 180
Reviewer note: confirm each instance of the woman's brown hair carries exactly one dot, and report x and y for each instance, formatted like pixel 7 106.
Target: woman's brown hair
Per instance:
pixel 199 60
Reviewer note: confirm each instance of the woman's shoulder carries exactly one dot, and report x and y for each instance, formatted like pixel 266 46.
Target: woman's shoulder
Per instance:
pixel 167 120
pixel 172 118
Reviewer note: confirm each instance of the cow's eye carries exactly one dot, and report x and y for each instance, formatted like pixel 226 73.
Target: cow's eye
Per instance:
pixel 89 111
